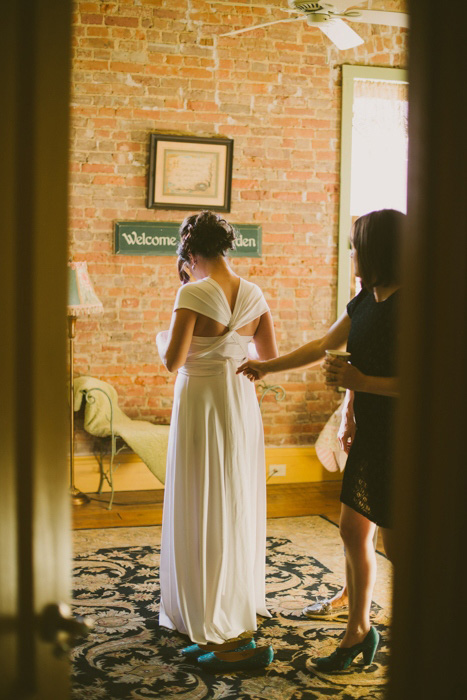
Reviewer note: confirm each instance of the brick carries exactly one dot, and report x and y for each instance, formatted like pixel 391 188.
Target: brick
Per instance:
pixel 121 21
pixel 91 19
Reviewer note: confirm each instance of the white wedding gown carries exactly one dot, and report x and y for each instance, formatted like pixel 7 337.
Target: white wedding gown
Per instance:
pixel 212 569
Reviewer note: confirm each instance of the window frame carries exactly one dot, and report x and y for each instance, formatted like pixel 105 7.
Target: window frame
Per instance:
pixel 351 73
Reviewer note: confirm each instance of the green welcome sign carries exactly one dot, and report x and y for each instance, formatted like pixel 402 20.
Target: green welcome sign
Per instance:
pixel 161 238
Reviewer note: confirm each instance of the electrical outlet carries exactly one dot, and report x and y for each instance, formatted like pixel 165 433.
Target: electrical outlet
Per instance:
pixel 277 469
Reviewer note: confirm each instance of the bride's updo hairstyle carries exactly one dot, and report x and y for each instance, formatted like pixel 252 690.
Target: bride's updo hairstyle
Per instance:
pixel 206 234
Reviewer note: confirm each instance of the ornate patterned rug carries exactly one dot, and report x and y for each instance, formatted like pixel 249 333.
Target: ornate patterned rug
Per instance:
pixel 129 656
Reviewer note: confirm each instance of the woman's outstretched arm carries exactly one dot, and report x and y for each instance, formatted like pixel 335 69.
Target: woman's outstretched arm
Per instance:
pixel 303 356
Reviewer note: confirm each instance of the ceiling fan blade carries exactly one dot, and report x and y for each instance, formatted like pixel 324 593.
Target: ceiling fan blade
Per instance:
pixel 340 34
pixel 258 26
pixel 390 19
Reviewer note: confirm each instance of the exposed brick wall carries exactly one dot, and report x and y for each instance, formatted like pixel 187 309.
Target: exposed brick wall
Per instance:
pixel 159 66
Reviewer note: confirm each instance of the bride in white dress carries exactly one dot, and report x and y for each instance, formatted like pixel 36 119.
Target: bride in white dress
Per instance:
pixel 212 569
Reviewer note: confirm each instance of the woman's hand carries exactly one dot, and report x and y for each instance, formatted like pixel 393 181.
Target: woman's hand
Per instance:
pixel 337 372
pixel 346 436
pixel 346 432
pixel 340 373
pixel 253 369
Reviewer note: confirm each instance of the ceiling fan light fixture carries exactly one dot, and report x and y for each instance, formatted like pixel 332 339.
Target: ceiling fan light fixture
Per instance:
pixel 318 18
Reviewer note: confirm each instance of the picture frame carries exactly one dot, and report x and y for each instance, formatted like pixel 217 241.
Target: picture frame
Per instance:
pixel 189 172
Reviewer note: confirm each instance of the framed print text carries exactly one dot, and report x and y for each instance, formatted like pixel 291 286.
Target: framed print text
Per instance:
pixel 190 173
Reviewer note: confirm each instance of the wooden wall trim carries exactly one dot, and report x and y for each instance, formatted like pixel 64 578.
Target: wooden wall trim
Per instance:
pixel 302 465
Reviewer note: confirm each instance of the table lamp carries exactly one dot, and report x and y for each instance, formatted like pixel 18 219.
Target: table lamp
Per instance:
pixel 82 300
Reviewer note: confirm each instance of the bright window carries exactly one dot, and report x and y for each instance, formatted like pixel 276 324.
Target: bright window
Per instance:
pixel 374 153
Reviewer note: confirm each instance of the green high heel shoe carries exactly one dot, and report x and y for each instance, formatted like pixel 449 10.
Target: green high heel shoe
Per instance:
pixel 342 657
pixel 231 661
pixel 196 650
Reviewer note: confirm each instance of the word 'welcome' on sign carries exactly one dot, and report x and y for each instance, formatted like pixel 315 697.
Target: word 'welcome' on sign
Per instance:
pixel 161 238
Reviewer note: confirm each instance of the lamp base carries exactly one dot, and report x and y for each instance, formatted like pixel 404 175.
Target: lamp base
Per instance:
pixel 78 498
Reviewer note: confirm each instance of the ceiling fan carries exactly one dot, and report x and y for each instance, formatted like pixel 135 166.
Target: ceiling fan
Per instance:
pixel 326 16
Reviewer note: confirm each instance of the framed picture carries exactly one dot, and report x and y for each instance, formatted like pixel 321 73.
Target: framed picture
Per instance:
pixel 189 173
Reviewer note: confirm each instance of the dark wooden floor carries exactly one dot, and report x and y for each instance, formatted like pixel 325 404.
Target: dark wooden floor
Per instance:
pixel 145 507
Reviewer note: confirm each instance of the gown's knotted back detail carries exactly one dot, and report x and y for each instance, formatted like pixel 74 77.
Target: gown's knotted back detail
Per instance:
pixel 209 355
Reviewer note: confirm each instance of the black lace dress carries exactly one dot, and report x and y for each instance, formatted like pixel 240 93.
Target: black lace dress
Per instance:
pixel 366 486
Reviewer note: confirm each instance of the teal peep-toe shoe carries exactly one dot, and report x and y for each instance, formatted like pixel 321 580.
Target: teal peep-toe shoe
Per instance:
pixel 196 650
pixel 231 661
pixel 342 657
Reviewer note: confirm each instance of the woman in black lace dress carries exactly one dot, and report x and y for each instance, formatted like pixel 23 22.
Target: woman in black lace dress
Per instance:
pixel 369 330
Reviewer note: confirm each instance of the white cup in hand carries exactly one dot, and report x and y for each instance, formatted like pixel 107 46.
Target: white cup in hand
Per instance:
pixel 342 354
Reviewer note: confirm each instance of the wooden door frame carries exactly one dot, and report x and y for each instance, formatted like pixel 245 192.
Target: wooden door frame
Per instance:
pixel 429 614
pixel 35 539
pixel 428 635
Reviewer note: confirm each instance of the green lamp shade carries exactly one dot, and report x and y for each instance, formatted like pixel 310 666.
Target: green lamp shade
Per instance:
pixel 82 298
